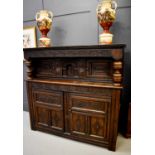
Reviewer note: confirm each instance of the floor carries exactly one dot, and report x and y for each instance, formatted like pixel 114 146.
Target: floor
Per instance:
pixel 38 143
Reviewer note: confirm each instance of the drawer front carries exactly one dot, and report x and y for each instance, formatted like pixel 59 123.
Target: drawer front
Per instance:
pixel 48 107
pixel 89 104
pixel 48 98
pixel 90 116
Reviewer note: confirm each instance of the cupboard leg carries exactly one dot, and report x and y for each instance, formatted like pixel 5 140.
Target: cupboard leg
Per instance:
pixel 112 147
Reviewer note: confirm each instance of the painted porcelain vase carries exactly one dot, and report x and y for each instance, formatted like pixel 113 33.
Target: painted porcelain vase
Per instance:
pixel 44 20
pixel 106 14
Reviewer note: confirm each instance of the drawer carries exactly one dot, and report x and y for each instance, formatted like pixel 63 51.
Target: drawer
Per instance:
pixel 52 98
pixel 89 103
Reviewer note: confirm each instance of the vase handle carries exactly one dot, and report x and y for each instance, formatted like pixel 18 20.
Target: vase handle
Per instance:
pixel 115 5
pixel 51 14
pixel 36 15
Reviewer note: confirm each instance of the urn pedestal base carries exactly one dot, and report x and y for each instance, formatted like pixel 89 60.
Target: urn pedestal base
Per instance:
pixel 105 38
pixel 45 42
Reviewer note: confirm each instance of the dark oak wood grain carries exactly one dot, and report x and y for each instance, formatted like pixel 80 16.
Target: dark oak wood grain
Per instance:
pixel 74 91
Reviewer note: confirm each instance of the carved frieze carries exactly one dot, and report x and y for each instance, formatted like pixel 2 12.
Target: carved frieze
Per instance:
pixel 91 69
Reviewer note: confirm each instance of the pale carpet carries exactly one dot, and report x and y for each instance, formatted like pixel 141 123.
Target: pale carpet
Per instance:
pixel 39 143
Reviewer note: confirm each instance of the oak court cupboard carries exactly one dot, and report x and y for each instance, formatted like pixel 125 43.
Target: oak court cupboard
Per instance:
pixel 74 91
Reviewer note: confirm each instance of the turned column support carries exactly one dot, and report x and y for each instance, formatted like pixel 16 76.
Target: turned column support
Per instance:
pixel 117 73
pixel 28 63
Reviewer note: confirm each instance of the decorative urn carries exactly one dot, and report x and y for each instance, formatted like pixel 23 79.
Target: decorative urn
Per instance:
pixel 106 14
pixel 44 20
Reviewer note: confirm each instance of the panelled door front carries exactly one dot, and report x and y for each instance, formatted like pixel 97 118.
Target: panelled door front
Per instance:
pixel 89 116
pixel 48 107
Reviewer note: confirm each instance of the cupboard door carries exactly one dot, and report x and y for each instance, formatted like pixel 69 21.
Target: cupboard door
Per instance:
pixel 48 108
pixel 89 116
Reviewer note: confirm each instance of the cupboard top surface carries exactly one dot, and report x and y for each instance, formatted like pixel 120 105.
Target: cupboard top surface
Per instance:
pixel 79 47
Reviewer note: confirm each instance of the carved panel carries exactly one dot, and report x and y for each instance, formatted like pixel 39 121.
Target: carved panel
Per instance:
pixel 82 68
pixel 42 116
pixel 48 67
pixel 74 68
pixel 99 69
pixel 98 127
pixel 78 123
pixel 50 118
pixel 56 117
pixel 50 98
pixel 70 68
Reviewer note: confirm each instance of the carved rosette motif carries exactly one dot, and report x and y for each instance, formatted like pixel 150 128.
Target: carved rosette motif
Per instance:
pixel 28 63
pixel 117 74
